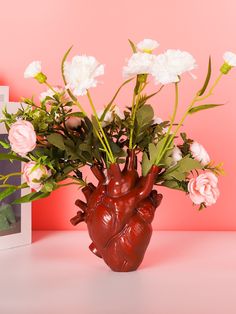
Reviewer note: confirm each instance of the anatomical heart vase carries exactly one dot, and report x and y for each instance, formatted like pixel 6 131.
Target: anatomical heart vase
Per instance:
pixel 129 149
pixel 119 214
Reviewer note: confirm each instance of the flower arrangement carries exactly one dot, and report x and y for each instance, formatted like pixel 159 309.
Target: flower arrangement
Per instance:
pixel 56 137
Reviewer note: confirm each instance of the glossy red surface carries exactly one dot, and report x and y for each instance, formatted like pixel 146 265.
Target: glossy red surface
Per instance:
pixel 118 213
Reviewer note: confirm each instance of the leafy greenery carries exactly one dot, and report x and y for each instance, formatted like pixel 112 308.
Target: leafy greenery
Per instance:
pixel 56 140
pixel 181 170
pixel 103 139
pixel 31 197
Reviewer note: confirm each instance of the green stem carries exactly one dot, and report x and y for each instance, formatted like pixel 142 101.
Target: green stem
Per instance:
pixel 195 99
pixel 132 124
pixel 71 183
pixel 135 103
pixel 82 182
pixel 104 142
pixel 75 100
pixel 107 108
pixel 175 107
pixel 17 187
pixel 50 87
pixel 6 177
pixel 166 143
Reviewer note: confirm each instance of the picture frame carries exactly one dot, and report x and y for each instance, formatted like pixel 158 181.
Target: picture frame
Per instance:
pixel 16 226
pixel 4 94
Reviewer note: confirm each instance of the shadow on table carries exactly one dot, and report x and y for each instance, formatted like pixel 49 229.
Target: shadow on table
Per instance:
pixel 171 247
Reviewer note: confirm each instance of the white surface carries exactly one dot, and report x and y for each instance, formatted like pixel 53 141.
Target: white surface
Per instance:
pixel 183 273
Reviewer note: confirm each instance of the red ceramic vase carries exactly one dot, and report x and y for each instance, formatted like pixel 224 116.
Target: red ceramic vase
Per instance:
pixel 119 212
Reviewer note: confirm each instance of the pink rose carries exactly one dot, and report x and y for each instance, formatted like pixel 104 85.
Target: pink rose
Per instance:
pixel 22 137
pixel 30 175
pixel 73 123
pixel 203 189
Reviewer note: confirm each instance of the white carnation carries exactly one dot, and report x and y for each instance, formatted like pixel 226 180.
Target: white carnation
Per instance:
pixel 81 73
pixel 147 45
pixel 180 61
pixel 119 112
pixel 139 63
pixel 170 65
pixel 199 153
pixel 230 58
pixel 176 155
pixel 162 72
pixel 158 120
pixel 51 93
pixel 110 115
pixel 33 69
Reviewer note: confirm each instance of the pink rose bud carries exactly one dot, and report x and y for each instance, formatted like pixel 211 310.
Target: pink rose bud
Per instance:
pixel 30 175
pixel 204 189
pixel 73 123
pixel 22 137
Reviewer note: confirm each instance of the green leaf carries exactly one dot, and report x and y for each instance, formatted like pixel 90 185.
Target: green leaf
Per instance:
pixel 146 164
pixel 144 98
pixel 76 114
pixel 202 206
pixel 203 107
pixel 176 185
pixel 5 145
pixel 56 140
pixel 183 136
pixel 204 87
pixel 181 170
pixel 33 196
pixel 6 192
pixel 148 161
pixel 172 184
pixel 12 157
pixel 144 115
pixel 116 149
pixel 63 62
pixel 133 46
pixel 143 121
pixel 167 160
pixel 70 150
pixel 49 186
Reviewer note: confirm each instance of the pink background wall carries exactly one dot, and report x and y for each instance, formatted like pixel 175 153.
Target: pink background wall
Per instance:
pixel 44 29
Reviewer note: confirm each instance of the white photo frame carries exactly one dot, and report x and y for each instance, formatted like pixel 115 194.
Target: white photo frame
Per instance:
pixel 4 94
pixel 22 235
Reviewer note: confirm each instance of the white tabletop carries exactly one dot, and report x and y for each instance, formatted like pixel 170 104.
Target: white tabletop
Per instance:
pixel 183 273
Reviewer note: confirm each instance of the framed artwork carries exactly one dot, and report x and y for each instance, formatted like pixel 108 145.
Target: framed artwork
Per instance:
pixel 15 220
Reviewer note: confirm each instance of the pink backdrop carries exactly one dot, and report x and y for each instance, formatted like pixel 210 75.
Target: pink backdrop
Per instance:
pixel 43 30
